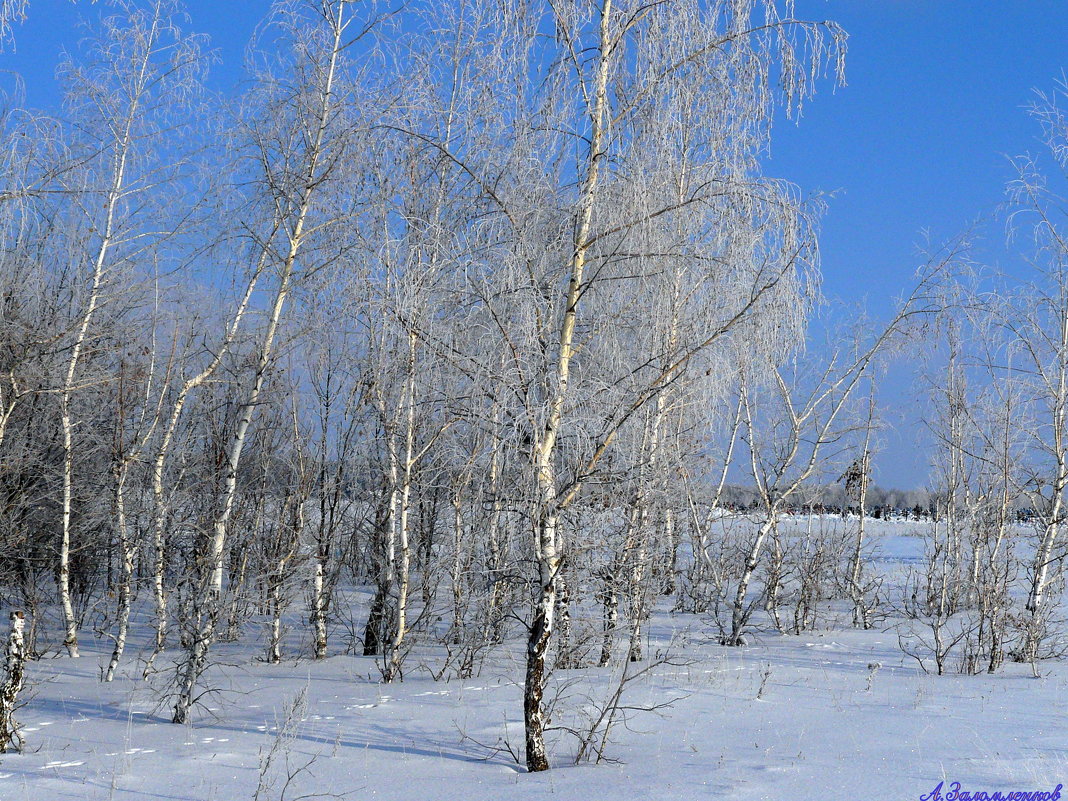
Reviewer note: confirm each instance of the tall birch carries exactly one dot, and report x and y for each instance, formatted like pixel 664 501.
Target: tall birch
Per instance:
pixel 297 143
pixel 140 72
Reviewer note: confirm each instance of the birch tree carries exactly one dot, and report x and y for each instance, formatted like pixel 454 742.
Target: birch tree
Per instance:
pixel 138 408
pixel 138 75
pixel 403 381
pixel 1039 323
pixel 336 389
pixel 796 422
pixel 578 172
pixel 857 479
pixel 297 136
pixel 12 681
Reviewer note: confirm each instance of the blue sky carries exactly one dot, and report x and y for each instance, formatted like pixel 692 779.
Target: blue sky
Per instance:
pixel 919 139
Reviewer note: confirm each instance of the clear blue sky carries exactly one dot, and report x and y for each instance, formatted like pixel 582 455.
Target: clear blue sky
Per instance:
pixel 918 139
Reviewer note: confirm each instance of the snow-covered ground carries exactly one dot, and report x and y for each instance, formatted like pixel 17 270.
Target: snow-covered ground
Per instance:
pixel 832 714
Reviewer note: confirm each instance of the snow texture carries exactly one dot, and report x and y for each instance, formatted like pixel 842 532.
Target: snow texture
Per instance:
pixel 787 718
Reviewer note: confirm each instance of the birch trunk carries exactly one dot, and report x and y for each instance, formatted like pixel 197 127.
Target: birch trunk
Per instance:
pixel 856 567
pixel 1043 555
pixel 547 546
pixel 375 637
pixel 610 613
pixel 274 606
pixel 640 546
pixel 11 686
pixel 495 556
pixel 739 610
pixel 458 564
pixel 208 611
pixel 320 592
pixel 115 193
pixel 159 462
pixel 128 555
pixel 669 584
pixel 319 606
pixel 773 583
pixel 538 643
pixel 404 554
pixel 70 640
pixel 565 655
pixel 208 605
pixel 9 400
pixel 636 550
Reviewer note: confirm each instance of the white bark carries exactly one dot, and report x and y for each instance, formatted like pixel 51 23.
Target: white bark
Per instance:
pixel 120 144
pixel 319 607
pixel 861 610
pixel 547 546
pixel 1059 477
pixel 70 623
pixel 401 503
pixel 208 603
pixel 159 462
pixel 11 683
pixel 780 469
pixel 127 555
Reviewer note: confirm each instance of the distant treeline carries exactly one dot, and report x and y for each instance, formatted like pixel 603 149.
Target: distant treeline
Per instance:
pixel 881 503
